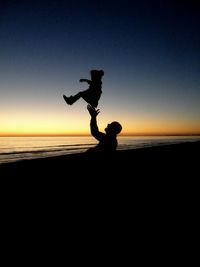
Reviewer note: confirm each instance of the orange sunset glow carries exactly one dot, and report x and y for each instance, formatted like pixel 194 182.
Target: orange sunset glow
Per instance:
pixel 77 123
pixel 149 53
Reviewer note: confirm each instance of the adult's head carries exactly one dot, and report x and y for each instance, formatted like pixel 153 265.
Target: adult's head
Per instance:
pixel 113 128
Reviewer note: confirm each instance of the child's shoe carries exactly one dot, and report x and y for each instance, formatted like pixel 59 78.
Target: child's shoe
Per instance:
pixel 68 100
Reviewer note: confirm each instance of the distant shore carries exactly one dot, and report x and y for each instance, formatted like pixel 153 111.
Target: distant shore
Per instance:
pixel 182 157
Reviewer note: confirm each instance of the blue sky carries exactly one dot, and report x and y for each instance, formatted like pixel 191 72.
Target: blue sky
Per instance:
pixel 149 51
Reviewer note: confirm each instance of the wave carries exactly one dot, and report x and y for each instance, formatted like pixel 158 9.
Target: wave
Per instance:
pixel 38 151
pixel 27 152
pixel 6 157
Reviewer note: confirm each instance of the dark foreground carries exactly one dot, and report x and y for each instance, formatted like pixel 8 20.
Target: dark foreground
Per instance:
pixel 128 180
pixel 145 197
pixel 171 160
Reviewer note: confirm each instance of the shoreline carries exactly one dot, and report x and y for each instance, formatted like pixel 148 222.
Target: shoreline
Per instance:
pixel 182 155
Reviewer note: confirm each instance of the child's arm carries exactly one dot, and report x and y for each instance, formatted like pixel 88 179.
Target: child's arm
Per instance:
pixel 85 80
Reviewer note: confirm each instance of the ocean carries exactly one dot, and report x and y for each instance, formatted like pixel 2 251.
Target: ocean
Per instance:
pixel 20 148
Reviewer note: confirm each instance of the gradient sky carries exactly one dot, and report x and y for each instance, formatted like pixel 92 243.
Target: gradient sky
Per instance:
pixel 149 50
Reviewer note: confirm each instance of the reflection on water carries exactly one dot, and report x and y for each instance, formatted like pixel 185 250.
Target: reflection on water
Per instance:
pixel 18 148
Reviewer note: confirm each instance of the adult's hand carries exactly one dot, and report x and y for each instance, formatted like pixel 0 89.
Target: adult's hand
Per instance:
pixel 93 112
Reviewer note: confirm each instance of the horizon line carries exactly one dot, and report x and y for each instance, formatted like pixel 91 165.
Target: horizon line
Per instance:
pixel 76 135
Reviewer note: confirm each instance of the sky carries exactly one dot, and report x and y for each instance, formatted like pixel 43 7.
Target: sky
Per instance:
pixel 149 51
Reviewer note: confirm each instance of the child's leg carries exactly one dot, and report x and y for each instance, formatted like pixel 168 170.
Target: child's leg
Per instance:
pixel 70 100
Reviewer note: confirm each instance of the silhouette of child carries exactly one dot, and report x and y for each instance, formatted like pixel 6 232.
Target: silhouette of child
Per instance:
pixel 93 93
pixel 107 141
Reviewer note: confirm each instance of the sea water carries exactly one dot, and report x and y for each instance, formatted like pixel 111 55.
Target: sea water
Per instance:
pixel 20 148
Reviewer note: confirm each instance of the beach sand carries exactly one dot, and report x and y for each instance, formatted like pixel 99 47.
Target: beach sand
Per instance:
pixel 151 193
pixel 127 164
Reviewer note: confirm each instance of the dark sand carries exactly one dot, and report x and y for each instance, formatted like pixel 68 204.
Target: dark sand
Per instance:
pixel 133 181
pixel 150 193
pixel 127 164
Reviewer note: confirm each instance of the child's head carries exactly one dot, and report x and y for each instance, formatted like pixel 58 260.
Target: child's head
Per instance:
pixel 96 74
pixel 113 128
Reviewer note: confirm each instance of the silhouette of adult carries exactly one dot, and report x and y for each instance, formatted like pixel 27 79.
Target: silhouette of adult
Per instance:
pixel 108 140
